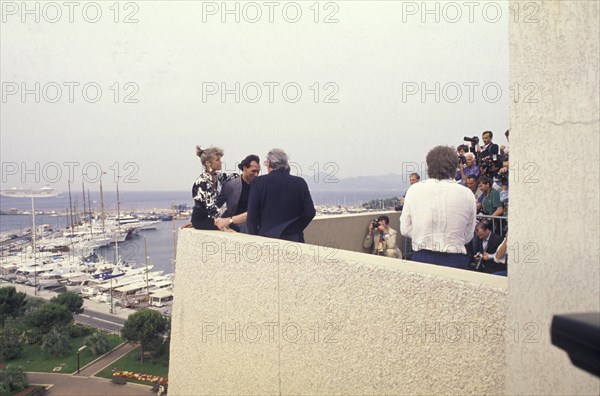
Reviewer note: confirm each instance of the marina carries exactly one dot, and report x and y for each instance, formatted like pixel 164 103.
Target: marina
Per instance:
pixel 120 258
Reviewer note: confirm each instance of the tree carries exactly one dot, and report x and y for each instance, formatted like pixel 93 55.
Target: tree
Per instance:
pixel 12 303
pixel 71 300
pixel 56 344
pixel 97 343
pixel 144 326
pixel 12 378
pixel 10 343
pixel 47 316
pixel 34 303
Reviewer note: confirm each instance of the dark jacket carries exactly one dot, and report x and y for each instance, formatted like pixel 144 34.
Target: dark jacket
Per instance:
pixel 232 190
pixel 490 266
pixel 279 206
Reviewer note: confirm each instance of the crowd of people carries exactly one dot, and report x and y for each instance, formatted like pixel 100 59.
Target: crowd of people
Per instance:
pixel 457 217
pixel 453 218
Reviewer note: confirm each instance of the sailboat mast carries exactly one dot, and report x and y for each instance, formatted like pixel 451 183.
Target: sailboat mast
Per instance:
pixel 91 212
pixel 71 215
pixel 84 203
pixel 102 204
pixel 33 237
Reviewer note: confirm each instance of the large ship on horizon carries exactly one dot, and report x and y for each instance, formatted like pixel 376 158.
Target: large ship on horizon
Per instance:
pixel 44 192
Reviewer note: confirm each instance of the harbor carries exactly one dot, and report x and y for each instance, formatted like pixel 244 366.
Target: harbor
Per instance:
pixel 115 259
pixel 102 255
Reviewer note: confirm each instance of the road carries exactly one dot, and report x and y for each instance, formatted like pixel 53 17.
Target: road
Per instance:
pixel 107 322
pixel 95 313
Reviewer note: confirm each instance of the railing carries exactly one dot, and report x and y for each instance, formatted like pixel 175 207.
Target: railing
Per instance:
pixel 499 226
pixel 499 223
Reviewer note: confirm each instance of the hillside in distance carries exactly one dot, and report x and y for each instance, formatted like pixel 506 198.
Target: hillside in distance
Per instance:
pixel 326 182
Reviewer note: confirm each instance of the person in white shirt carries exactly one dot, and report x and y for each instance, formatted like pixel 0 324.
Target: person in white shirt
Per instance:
pixel 439 213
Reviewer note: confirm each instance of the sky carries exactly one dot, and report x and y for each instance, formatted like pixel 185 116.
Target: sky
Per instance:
pixel 346 88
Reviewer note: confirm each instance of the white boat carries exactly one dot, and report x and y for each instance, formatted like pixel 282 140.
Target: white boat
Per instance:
pixel 8 271
pixel 48 279
pixel 44 192
pixel 88 291
pixel 29 275
pixel 75 281
pixel 149 224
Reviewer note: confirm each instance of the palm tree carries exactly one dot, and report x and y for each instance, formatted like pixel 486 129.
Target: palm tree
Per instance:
pixel 12 378
pixel 97 343
pixel 56 344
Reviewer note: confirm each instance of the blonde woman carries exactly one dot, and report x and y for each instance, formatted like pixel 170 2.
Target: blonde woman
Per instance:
pixel 209 204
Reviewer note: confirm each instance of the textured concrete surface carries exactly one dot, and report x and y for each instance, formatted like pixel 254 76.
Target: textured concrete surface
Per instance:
pixel 554 193
pixel 256 316
pixel 325 230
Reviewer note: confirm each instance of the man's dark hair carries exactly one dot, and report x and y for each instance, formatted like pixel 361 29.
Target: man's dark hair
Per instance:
pixel 384 218
pixel 247 161
pixel 484 180
pixel 488 132
pixel 463 147
pixel 484 225
pixel 441 163
pixel 415 174
pixel 472 177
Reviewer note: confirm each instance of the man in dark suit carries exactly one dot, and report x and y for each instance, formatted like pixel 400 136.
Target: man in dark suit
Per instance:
pixel 489 148
pixel 237 192
pixel 486 246
pixel 280 205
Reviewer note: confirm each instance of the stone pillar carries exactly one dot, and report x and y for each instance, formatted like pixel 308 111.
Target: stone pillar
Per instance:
pixel 554 135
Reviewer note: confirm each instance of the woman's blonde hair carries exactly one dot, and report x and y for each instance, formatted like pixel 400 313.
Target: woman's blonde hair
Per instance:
pixel 208 154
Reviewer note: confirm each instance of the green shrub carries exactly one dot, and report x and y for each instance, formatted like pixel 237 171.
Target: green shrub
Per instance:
pixel 12 378
pixel 78 330
pixel 47 316
pixel 10 341
pixel 97 343
pixel 31 336
pixel 56 344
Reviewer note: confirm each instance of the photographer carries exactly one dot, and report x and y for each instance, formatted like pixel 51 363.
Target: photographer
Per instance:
pixel 488 148
pixel 467 169
pixel 382 239
pixel 486 246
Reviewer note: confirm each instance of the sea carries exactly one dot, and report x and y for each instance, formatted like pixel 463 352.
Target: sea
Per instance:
pixel 157 245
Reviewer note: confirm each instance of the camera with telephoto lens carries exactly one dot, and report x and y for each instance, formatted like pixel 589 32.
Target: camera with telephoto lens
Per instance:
pixel 462 159
pixel 375 223
pixel 502 178
pixel 474 140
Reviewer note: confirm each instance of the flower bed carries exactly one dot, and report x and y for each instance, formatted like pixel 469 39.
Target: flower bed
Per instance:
pixel 141 377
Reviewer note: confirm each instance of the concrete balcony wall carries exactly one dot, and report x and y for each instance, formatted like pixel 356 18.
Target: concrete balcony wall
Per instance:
pixel 348 231
pixel 260 316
